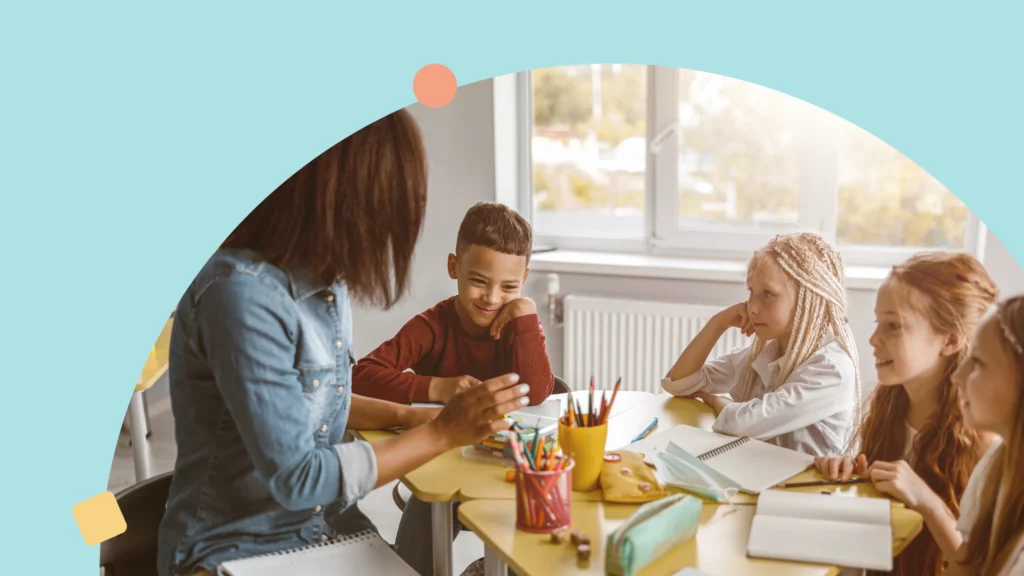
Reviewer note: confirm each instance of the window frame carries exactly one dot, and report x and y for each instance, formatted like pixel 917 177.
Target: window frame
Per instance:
pixel 661 235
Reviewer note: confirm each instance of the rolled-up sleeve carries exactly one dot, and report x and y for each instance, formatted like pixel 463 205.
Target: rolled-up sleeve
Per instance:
pixel 718 376
pixel 817 389
pixel 247 329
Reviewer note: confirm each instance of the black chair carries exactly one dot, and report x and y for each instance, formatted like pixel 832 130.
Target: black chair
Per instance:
pixel 560 387
pixel 134 552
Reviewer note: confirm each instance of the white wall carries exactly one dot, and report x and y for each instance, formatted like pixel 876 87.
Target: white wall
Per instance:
pixel 459 140
pixel 460 149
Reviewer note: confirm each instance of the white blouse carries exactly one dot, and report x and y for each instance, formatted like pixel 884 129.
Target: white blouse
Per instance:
pixel 811 412
pixel 972 500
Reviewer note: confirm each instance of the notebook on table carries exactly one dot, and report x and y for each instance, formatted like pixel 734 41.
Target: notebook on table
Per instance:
pixel 822 529
pixel 749 465
pixel 363 553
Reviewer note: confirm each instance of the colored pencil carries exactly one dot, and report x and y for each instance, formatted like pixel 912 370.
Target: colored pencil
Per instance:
pixel 823 483
pixel 611 402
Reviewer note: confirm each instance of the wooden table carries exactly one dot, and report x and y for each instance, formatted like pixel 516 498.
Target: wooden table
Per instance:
pixel 719 548
pixel 450 477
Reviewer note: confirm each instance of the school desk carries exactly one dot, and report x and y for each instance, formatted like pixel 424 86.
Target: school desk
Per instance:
pixel 152 370
pixel 718 549
pixel 450 477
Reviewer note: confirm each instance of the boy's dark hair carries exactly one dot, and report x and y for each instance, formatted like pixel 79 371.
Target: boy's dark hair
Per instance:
pixel 497 227
pixel 353 213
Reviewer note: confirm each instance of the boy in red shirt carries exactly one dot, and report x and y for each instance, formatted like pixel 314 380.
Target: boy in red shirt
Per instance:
pixel 486 330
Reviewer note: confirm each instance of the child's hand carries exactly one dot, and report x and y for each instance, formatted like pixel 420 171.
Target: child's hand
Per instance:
pixel 899 480
pixel 414 417
pixel 841 467
pixel 442 389
pixel 514 309
pixel 717 403
pixel 736 316
pixel 472 415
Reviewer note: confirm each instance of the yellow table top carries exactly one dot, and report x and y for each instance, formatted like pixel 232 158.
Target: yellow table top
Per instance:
pixel 719 548
pixel 156 363
pixel 450 476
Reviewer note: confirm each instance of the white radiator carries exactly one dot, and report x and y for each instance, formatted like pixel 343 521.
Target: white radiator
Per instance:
pixel 639 341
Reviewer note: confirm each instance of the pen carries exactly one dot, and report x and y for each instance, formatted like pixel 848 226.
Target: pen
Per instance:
pixel 646 431
pixel 823 483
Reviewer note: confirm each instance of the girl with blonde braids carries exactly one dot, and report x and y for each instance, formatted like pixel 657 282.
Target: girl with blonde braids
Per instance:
pixel 797 385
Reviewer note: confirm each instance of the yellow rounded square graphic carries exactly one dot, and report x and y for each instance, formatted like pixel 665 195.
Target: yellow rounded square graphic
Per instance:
pixel 99 518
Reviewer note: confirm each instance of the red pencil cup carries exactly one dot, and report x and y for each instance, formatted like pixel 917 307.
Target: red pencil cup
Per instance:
pixel 544 499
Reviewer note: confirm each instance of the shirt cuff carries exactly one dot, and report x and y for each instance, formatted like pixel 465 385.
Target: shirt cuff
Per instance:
pixel 421 389
pixel 684 386
pixel 358 469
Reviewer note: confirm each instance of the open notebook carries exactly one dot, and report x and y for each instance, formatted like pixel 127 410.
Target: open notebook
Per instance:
pixel 364 553
pixel 746 464
pixel 822 529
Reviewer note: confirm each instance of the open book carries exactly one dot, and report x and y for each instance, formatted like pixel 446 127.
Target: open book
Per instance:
pixel 745 464
pixel 822 529
pixel 363 553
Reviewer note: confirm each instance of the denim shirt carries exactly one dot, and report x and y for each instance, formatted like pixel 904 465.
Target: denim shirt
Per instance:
pixel 260 380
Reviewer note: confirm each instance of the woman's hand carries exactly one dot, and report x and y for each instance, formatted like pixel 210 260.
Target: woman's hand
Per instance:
pixel 736 316
pixel 899 480
pixel 473 414
pixel 842 467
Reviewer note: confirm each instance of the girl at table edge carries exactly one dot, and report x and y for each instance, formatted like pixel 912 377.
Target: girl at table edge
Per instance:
pixel 926 312
pixel 797 384
pixel 988 537
pixel 260 361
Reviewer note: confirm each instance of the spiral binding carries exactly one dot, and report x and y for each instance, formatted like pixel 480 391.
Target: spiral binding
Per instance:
pixel 361 536
pixel 723 449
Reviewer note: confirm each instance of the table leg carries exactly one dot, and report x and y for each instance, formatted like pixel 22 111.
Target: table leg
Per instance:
pixel 443 520
pixel 140 447
pixel 493 565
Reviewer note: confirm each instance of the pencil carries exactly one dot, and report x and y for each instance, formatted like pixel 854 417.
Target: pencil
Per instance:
pixel 591 407
pixel 823 483
pixel 615 391
pixel 646 431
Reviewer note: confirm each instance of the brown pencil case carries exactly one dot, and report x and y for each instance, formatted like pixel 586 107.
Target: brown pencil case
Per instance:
pixel 627 479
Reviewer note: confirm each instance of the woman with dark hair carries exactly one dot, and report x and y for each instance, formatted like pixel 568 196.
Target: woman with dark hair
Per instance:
pixel 260 362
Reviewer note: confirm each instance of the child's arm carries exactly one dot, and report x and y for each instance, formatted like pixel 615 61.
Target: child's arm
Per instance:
pixel 816 390
pixel 693 373
pixel 373 414
pixel 900 481
pixel 524 339
pixel 382 374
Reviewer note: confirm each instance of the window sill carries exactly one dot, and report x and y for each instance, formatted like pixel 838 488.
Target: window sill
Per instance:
pixel 648 266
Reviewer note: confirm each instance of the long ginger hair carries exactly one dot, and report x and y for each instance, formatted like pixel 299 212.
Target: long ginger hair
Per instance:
pixel 955 292
pixel 999 528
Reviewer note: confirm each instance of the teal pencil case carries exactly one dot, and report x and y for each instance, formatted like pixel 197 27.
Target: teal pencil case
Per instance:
pixel 655 528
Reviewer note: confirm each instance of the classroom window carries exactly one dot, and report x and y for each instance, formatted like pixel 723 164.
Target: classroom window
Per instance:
pixel 663 160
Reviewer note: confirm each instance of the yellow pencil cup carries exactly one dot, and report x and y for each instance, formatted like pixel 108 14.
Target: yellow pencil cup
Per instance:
pixel 585 445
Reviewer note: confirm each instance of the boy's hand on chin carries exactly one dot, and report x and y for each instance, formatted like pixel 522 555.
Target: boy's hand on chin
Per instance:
pixel 514 309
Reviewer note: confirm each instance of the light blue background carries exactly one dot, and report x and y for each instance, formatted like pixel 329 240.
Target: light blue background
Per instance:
pixel 134 138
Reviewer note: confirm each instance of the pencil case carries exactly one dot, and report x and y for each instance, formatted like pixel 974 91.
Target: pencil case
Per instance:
pixel 651 531
pixel 627 479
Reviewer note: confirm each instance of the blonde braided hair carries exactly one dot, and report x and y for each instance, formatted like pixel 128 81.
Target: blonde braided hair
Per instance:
pixel 817 268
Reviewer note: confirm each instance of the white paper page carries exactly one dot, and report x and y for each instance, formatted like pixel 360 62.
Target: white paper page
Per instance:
pixel 693 440
pixel 757 466
pixel 371 554
pixel 851 545
pixel 875 511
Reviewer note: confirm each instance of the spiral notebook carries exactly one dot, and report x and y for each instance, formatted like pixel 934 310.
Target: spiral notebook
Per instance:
pixel 749 465
pixel 365 550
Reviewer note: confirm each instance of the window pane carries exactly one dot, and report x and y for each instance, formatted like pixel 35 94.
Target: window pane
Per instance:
pixel 739 152
pixel 887 200
pixel 589 150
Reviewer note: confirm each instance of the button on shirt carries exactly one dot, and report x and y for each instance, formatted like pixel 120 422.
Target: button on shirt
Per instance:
pixel 260 381
pixel 811 412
